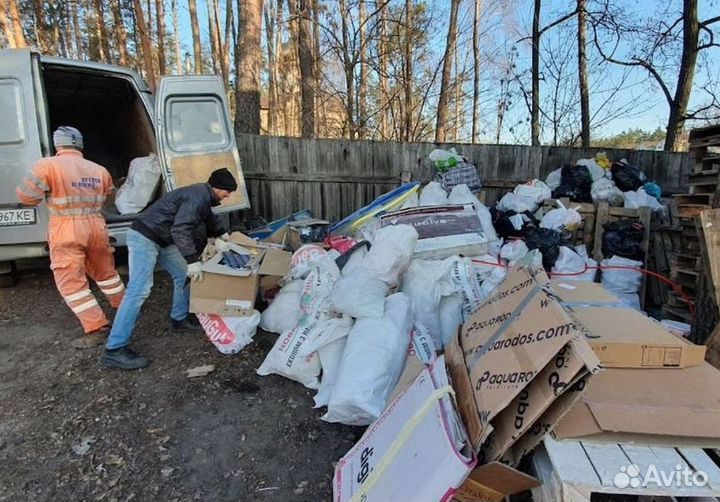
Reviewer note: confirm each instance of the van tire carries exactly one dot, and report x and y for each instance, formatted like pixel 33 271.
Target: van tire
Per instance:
pixel 9 278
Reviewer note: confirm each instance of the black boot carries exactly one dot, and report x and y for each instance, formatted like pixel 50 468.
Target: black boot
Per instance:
pixel 188 325
pixel 123 358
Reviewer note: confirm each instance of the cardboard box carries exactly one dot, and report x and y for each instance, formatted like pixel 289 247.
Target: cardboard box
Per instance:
pixel 442 230
pixel 650 406
pixel 225 292
pixel 494 482
pixel 623 337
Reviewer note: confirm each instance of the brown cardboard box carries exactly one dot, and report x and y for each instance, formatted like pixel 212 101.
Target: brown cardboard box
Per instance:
pixel 623 337
pixel 232 295
pixel 494 482
pixel 653 406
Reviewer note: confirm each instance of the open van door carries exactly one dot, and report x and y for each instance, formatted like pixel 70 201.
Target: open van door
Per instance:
pixel 22 134
pixel 195 135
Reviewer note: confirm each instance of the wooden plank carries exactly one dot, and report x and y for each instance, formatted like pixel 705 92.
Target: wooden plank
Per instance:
pixel 607 460
pixel 571 462
pixel 710 224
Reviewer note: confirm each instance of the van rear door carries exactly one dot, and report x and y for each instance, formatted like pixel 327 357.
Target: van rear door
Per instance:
pixel 195 135
pixel 20 145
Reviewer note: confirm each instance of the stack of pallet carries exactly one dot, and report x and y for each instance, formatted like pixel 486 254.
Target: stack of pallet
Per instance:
pixel 685 261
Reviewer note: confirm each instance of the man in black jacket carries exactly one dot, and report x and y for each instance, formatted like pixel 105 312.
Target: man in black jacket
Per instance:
pixel 171 233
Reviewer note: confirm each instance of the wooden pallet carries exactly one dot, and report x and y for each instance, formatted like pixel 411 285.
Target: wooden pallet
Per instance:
pixel 573 471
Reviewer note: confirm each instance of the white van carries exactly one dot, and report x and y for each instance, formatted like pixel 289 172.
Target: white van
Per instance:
pixel 186 123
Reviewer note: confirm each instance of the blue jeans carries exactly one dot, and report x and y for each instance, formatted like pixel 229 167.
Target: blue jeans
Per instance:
pixel 143 255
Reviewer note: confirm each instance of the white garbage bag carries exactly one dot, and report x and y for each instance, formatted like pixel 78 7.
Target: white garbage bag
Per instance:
pixel 330 357
pixel 596 172
pixel 229 334
pixel 569 266
pixel 371 364
pixel 433 194
pixel 318 286
pixel 621 280
pixel 390 254
pixel 451 317
pixel 605 190
pixel 359 295
pixel 535 189
pixel 461 194
pixel 355 262
pixel 425 283
pixel 139 188
pixel 493 281
pixel 513 250
pixel 554 179
pixel 561 219
pixel 591 266
pixel 639 198
pixel 517 203
pixel 284 312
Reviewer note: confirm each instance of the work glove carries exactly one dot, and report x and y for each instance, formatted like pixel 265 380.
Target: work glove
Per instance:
pixel 194 272
pixel 225 237
pixel 222 245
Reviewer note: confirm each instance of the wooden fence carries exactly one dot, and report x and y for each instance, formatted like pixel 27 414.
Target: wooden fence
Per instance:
pixel 334 177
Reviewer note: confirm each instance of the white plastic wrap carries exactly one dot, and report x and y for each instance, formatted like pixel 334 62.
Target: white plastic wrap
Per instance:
pixel 554 179
pixel 371 364
pixel 639 198
pixel 513 250
pixel 604 190
pixel 621 280
pixel 142 180
pixel 451 317
pixel 433 194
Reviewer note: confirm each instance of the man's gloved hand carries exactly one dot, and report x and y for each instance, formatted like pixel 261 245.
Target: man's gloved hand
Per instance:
pixel 221 243
pixel 194 272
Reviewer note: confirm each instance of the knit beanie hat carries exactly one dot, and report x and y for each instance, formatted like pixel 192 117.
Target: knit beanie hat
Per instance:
pixel 223 179
pixel 68 136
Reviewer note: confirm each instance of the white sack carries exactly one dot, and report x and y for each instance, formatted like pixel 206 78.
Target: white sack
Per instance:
pixel 621 280
pixel 554 179
pixel 463 275
pixel 229 334
pixel 142 180
pixel 534 189
pixel 451 317
pixel 561 219
pixel 569 266
pixel 330 358
pixel 433 194
pixel 517 203
pixel 605 190
pixel 513 250
pixel 284 311
pixel 318 285
pixel 461 194
pixel 303 260
pixel 371 364
pixel 389 257
pixel 359 295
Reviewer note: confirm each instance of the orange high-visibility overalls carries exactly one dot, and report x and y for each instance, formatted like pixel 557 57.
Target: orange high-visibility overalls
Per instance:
pixel 75 190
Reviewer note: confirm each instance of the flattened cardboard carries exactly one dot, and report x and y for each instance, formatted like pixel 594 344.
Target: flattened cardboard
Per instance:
pixel 653 406
pixel 494 482
pixel 625 338
pixel 457 369
pixel 580 292
pixel 537 397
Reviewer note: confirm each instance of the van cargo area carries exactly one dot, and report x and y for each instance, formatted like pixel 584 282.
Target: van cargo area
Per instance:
pixel 109 112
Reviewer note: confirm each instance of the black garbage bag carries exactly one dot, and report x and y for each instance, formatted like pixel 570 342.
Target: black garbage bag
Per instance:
pixel 505 228
pixel 575 183
pixel 627 178
pixel 548 241
pixel 623 238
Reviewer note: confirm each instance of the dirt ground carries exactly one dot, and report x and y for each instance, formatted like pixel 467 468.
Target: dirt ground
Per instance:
pixel 71 430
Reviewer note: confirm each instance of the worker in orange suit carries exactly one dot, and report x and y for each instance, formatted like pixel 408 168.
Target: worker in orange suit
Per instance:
pixel 75 190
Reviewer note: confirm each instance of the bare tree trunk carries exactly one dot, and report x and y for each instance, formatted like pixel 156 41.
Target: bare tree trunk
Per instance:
pixel 67 19
pixel 76 28
pixel 6 23
pixel 120 34
pixel 383 75
pixel 348 69
pixel 57 45
pixel 176 36
pixel 307 70
pixel 41 38
pixel 197 48
pixel 102 31
pixel 362 84
pixel 160 27
pixel 229 23
pixel 678 108
pixel 407 80
pixel 535 106
pixel 476 73
pixel 272 54
pixel 318 69
pixel 14 14
pixel 214 49
pixel 249 60
pixel 146 45
pixel 443 100
pixel 292 115
pixel 582 72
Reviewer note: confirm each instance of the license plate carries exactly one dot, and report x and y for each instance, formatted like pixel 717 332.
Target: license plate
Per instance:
pixel 17 217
